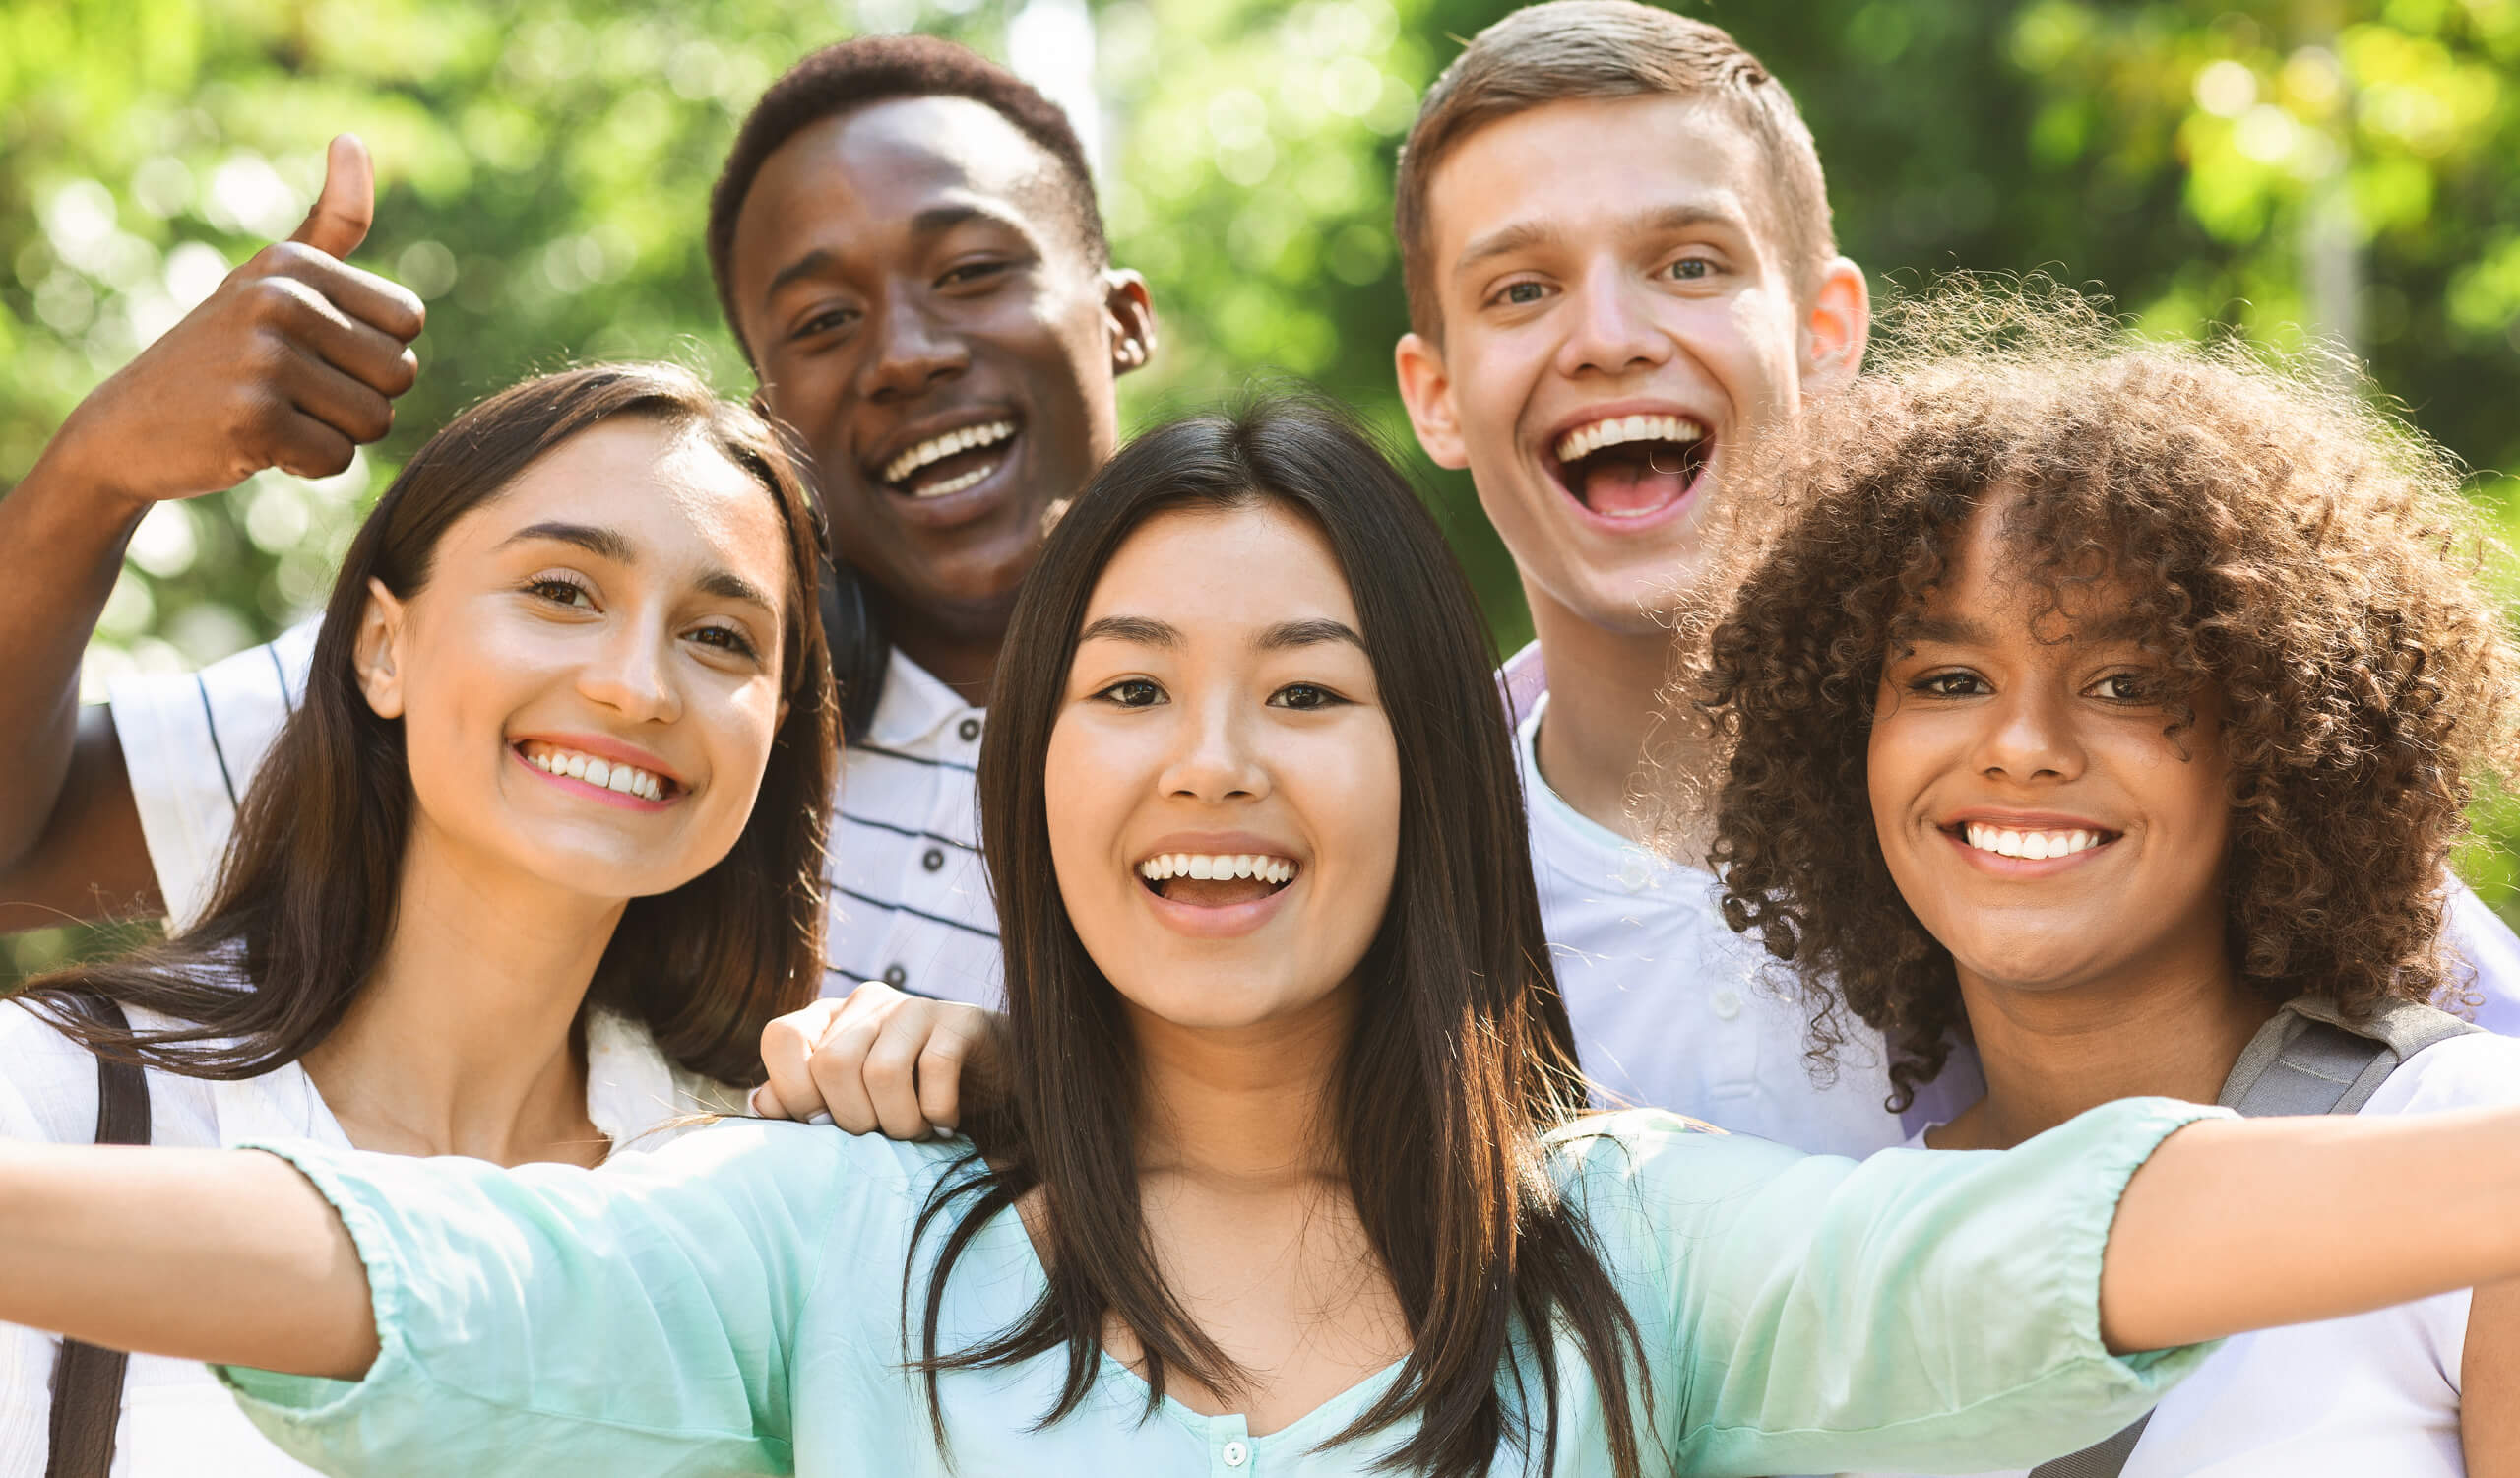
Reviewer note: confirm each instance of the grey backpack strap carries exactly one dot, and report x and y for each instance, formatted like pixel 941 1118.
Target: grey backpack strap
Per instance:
pixel 87 1380
pixel 2306 1060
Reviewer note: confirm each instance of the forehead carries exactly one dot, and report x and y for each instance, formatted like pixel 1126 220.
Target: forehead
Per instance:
pixel 678 500
pixel 1595 167
pixel 873 168
pixel 1993 570
pixel 1174 566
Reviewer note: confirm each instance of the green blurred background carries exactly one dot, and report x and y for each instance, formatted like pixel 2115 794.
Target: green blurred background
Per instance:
pixel 2281 168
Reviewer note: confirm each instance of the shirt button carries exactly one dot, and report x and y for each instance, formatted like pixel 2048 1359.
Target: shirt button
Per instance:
pixel 1633 874
pixel 1235 1453
pixel 895 977
pixel 969 729
pixel 932 859
pixel 1728 1004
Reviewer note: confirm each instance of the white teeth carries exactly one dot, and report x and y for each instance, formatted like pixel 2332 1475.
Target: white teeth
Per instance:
pixel 938 448
pixel 1576 445
pixel 1217 866
pixel 954 483
pixel 621 778
pixel 2034 846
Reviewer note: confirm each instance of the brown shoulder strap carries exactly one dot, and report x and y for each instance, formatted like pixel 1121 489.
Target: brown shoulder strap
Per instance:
pixel 87 1381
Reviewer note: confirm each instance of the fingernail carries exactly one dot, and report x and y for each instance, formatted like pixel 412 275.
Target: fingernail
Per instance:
pixel 823 1117
pixel 941 1131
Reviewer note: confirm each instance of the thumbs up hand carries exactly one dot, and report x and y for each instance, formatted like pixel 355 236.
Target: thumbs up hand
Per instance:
pixel 291 363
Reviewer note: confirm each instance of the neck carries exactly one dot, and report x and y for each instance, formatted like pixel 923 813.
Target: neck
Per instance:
pixel 1248 1107
pixel 462 1040
pixel 1604 690
pixel 957 646
pixel 2174 1031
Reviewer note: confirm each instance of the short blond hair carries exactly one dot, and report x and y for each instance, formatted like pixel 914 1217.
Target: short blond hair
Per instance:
pixel 1570 49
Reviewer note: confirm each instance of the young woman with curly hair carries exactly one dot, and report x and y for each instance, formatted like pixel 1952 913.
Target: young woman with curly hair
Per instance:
pixel 2095 703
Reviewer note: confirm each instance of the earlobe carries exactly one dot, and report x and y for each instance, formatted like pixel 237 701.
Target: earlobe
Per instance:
pixel 1129 314
pixel 380 633
pixel 1428 391
pixel 1837 327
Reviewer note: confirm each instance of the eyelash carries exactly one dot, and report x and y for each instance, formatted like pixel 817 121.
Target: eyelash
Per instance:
pixel 733 640
pixel 1327 698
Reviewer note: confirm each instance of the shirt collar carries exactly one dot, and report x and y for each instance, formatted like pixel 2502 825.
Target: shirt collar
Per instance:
pixel 915 705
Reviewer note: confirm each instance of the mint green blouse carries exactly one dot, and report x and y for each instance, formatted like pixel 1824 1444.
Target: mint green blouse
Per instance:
pixel 733 1303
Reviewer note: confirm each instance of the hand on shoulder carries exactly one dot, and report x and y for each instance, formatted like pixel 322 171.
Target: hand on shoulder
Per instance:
pixel 880 1060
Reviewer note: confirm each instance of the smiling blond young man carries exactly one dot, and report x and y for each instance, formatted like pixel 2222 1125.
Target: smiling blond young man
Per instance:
pixel 1622 271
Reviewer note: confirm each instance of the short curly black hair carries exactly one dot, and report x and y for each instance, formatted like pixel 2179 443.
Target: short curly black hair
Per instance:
pixel 851 75
pixel 2285 543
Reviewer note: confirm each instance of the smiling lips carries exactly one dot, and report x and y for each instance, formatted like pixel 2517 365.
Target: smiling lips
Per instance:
pixel 949 462
pixel 1631 466
pixel 2029 844
pixel 605 775
pixel 1215 880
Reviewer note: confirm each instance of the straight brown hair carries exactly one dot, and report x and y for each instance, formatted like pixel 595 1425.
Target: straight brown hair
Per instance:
pixel 306 896
pixel 1571 49
pixel 1463 1057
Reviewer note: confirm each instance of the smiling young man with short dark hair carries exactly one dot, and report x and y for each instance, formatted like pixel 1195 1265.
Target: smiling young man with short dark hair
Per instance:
pixel 906 244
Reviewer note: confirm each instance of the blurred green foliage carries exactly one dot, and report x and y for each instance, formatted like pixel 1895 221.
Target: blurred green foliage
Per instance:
pixel 544 166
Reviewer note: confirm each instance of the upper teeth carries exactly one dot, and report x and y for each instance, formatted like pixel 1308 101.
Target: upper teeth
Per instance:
pixel 2030 844
pixel 1198 865
pixel 938 448
pixel 611 775
pixel 1578 444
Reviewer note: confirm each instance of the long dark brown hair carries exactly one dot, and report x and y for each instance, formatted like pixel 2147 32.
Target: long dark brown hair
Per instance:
pixel 1461 1057
pixel 305 899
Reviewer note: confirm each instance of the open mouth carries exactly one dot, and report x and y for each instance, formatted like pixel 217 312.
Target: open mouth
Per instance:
pixel 602 774
pixel 1632 466
pixel 1215 881
pixel 950 460
pixel 2027 844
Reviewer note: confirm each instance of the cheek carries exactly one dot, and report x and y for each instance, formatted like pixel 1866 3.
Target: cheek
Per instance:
pixel 1087 781
pixel 737 730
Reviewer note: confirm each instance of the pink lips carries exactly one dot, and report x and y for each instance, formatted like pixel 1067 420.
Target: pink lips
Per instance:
pixel 603 794
pixel 1227 922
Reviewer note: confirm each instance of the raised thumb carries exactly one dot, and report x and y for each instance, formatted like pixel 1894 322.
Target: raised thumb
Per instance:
pixel 340 219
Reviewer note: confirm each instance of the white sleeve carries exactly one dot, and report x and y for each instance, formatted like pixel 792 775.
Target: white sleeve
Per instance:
pixel 48 1093
pixel 192 744
pixel 2475 1071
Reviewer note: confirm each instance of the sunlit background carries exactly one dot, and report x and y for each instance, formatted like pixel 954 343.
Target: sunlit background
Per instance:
pixel 2346 170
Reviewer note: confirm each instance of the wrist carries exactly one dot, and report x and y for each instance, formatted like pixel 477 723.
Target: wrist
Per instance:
pixel 75 479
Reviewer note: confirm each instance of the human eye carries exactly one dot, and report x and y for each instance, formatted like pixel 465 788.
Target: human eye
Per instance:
pixel 1131 692
pixel 1949 683
pixel 2129 686
pixel 968 274
pixel 561 589
pixel 828 320
pixel 1305 697
pixel 1520 294
pixel 731 639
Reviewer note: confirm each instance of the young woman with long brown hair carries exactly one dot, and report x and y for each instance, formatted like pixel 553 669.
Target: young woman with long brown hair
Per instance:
pixel 530 867
pixel 1292 1177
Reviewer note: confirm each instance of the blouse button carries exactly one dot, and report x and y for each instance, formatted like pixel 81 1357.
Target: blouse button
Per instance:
pixel 969 729
pixel 1728 1004
pixel 895 975
pixel 1235 1453
pixel 932 859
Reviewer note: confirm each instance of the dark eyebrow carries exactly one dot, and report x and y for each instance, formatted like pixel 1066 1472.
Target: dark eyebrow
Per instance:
pixel 608 543
pixel 935 221
pixel 1307 634
pixel 1955 631
pixel 594 541
pixel 1146 631
pixel 805 266
pixel 1524 235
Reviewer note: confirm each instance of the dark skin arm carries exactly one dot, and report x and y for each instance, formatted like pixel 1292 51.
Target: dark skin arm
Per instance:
pixel 293 363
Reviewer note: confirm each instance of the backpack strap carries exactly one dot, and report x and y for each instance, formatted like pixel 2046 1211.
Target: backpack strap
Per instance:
pixel 87 1380
pixel 2308 1058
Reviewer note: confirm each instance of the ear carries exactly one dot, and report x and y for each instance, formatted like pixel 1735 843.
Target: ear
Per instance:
pixel 1128 315
pixel 376 654
pixel 1836 327
pixel 1428 391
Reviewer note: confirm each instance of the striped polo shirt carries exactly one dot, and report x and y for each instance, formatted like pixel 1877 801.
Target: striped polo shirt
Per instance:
pixel 909 901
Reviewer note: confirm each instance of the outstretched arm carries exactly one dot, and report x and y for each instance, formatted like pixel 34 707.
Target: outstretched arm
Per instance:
pixel 2246 1225
pixel 291 363
pixel 204 1254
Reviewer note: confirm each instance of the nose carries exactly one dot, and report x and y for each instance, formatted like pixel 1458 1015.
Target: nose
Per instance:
pixel 631 672
pixel 912 350
pixel 1615 333
pixel 2029 738
pixel 1213 759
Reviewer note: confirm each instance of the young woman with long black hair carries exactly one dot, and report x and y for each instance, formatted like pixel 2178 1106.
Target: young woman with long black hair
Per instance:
pixel 529 868
pixel 1291 1177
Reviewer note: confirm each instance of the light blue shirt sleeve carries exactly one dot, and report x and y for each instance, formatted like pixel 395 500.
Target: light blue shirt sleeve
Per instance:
pixel 643 1319
pixel 1916 1310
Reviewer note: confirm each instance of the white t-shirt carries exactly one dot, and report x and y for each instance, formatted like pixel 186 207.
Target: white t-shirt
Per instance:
pixel 177 1420
pixel 2378 1393
pixel 910 904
